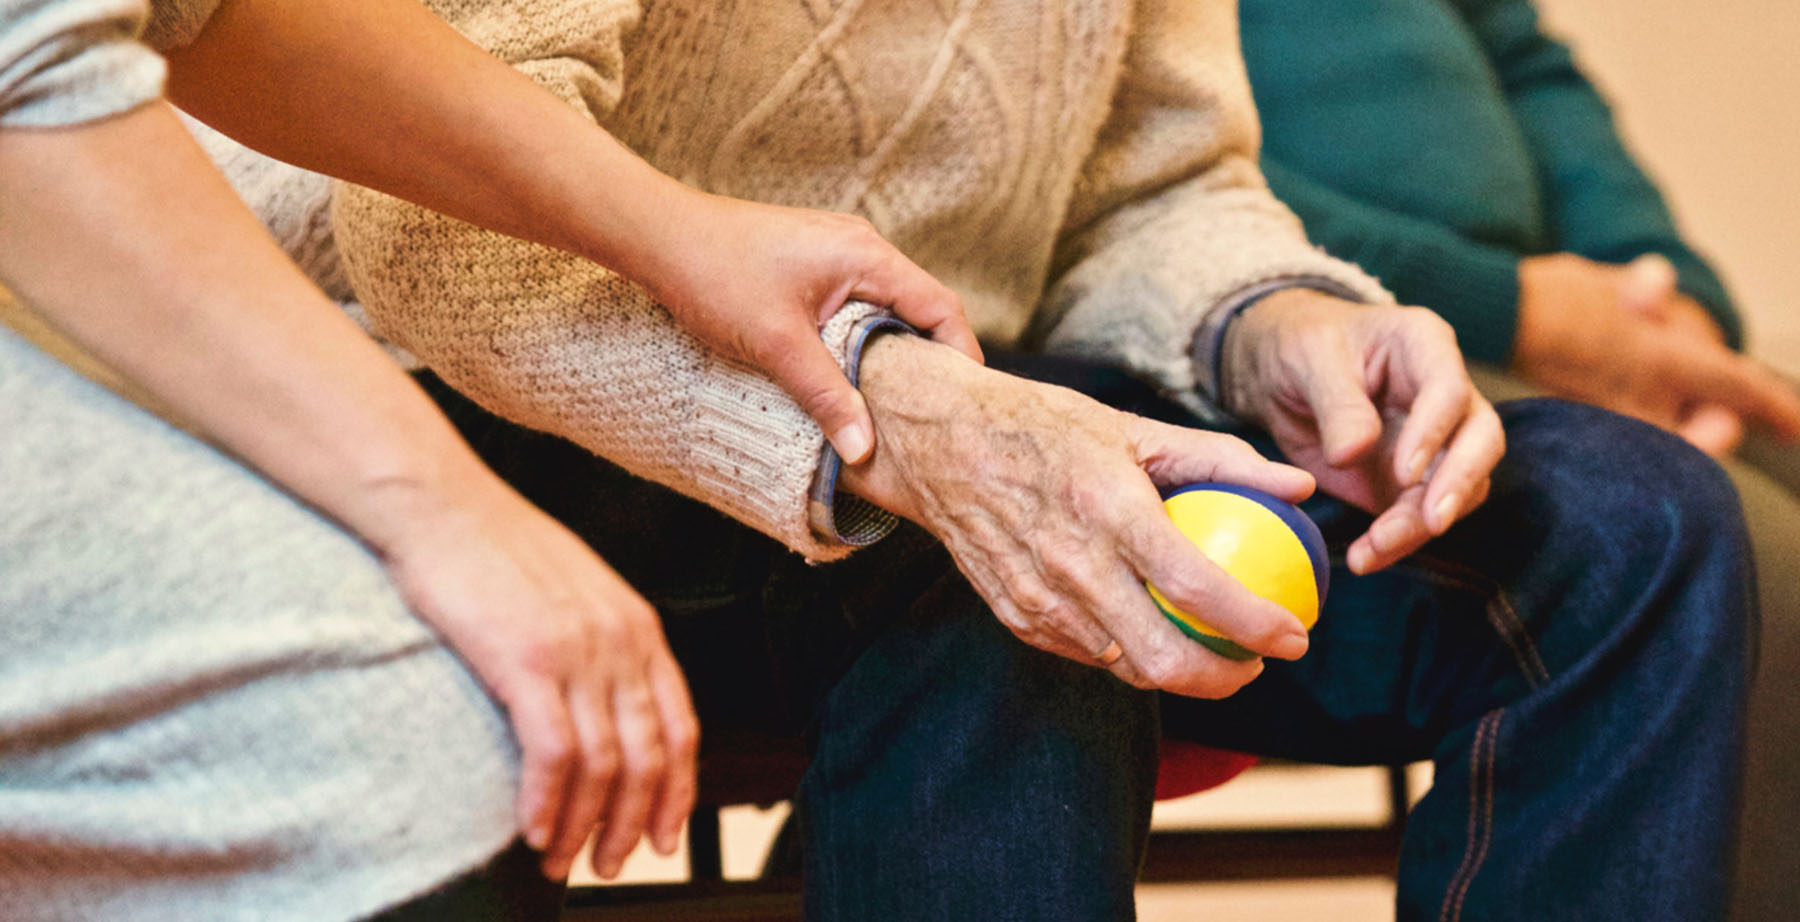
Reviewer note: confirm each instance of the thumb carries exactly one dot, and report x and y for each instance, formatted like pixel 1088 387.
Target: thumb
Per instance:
pixel 1647 285
pixel 808 373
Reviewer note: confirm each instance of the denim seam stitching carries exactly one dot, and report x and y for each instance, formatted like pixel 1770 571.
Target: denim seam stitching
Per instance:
pixel 1502 615
pixel 1481 814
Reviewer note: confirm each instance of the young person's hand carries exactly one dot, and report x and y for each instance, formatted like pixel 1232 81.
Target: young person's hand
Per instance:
pixel 756 282
pixel 1376 403
pixel 607 733
pixel 466 135
pixel 1625 338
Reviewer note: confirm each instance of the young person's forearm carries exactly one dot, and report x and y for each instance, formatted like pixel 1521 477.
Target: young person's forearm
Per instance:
pixel 121 235
pixel 385 94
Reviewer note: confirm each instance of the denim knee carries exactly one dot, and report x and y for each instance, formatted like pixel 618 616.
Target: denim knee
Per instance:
pixel 1632 514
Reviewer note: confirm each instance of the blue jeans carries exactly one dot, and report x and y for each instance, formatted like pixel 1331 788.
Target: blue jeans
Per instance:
pixel 1573 658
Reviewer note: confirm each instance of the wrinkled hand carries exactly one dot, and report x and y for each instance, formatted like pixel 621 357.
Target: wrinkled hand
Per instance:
pixel 755 283
pixel 1624 338
pixel 1048 502
pixel 578 660
pixel 1376 403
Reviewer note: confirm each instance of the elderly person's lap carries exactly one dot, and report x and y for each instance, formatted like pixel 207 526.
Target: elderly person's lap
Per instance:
pixel 1570 657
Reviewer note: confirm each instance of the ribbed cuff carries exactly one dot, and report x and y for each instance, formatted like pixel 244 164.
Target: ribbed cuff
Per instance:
pixel 1209 339
pixel 843 518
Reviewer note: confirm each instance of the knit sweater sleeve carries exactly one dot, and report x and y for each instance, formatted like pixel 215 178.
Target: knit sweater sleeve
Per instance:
pixel 560 344
pixel 1600 203
pixel 1172 224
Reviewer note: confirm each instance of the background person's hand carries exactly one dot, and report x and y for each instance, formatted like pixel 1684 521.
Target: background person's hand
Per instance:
pixel 1625 338
pixel 755 283
pixel 578 659
pixel 1048 502
pixel 1376 403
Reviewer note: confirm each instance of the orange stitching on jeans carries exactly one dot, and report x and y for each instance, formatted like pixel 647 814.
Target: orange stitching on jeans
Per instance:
pixel 1481 814
pixel 1500 611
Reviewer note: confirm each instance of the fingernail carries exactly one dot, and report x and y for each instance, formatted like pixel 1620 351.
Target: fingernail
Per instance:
pixel 1445 512
pixel 1358 558
pixel 1293 646
pixel 1415 468
pixel 537 837
pixel 852 443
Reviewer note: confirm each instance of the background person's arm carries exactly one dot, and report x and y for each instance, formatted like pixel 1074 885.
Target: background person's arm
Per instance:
pixel 384 94
pixel 1600 204
pixel 1585 328
pixel 120 233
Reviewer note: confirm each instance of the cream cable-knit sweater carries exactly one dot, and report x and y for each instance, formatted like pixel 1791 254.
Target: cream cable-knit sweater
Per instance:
pixel 1081 172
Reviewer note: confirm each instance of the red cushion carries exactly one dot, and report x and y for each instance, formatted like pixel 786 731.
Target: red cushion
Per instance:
pixel 1189 768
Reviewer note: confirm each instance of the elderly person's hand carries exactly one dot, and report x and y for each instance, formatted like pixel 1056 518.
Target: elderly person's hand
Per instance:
pixel 1625 338
pixel 1048 502
pixel 1376 403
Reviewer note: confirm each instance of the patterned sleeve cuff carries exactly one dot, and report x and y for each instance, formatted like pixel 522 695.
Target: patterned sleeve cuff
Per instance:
pixel 841 518
pixel 1209 339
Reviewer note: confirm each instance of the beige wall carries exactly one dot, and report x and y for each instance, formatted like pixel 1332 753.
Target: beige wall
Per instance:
pixel 1708 92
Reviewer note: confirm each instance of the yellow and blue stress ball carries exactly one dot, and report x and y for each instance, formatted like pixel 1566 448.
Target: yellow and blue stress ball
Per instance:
pixel 1269 545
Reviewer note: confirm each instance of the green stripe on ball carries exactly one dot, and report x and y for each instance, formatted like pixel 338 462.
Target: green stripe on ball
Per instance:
pixel 1212 642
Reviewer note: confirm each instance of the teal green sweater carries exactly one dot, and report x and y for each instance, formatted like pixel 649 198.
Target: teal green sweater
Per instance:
pixel 1437 142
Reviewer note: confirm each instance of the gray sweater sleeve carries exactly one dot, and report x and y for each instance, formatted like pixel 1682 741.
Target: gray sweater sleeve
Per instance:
pixel 64 62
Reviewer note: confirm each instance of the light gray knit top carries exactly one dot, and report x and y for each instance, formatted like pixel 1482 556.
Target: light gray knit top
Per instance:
pixel 213 705
pixel 64 62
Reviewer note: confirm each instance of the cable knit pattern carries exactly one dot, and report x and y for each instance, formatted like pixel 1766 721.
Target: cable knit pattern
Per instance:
pixel 985 138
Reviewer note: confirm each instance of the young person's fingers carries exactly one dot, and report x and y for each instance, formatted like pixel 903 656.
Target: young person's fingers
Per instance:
pixel 643 762
pixel 597 766
pixel 549 750
pixel 799 364
pixel 922 301
pixel 681 735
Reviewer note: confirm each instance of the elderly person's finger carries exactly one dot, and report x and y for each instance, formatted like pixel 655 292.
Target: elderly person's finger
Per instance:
pixel 1478 445
pixel 1161 555
pixel 1441 402
pixel 1347 421
pixel 1399 530
pixel 1175 456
